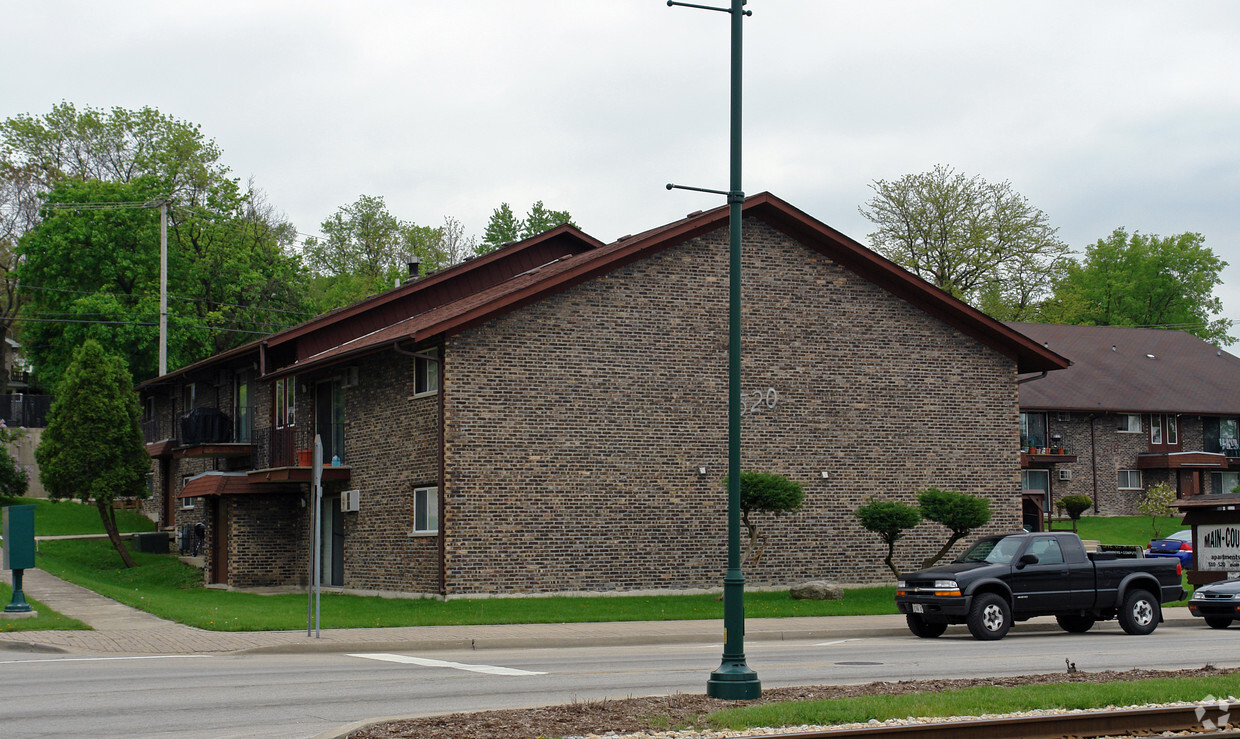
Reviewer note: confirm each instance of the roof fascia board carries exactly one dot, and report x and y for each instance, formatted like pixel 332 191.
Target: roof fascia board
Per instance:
pixel 223 357
pixel 813 233
pixel 886 274
pixel 443 275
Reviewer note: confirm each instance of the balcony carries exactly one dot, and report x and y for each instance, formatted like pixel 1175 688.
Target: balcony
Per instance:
pixel 208 432
pixel 275 450
pixel 1042 456
pixel 1185 460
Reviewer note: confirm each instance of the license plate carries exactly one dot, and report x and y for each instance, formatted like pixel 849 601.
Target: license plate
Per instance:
pixel 918 608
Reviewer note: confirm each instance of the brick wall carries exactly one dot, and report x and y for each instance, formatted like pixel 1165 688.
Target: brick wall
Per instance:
pixel 269 540
pixel 392 446
pixel 575 426
pixel 1113 451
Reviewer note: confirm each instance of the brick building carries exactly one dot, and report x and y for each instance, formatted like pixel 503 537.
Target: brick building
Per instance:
pixel 1137 406
pixel 552 417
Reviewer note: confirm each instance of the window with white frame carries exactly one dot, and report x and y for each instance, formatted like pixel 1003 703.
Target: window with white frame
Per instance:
pixel 426 373
pixel 425 510
pixel 1224 482
pixel 1156 429
pixel 187 504
pixel 189 397
pixel 1130 479
pixel 1129 423
pixel 1173 430
pixel 286 402
pixel 1035 480
pixel 1033 430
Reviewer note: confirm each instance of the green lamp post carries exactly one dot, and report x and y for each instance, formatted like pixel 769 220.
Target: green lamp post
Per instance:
pixel 733 679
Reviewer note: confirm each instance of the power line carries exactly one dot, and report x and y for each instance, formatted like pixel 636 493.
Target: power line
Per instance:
pixel 24 286
pixel 142 323
pixel 69 316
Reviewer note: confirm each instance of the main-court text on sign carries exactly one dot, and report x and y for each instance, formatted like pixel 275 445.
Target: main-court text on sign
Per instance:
pixel 1218 547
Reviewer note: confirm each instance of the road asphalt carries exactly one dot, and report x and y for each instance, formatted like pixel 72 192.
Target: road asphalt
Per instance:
pixel 119 629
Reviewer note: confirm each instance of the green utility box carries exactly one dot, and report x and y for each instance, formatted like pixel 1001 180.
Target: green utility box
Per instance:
pixel 151 542
pixel 18 537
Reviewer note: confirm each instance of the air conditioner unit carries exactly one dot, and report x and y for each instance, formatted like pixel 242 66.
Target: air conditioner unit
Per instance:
pixel 1065 475
pixel 350 377
pixel 351 501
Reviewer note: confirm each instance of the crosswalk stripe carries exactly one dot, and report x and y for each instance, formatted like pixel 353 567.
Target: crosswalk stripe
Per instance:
pixel 485 669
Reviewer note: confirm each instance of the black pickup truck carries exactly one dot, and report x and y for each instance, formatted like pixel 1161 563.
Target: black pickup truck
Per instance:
pixel 1002 579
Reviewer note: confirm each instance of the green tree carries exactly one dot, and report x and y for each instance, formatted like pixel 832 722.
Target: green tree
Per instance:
pixel 888 519
pixel 1074 505
pixel 960 512
pixel 1145 280
pixel 91 270
pixel 19 212
pixel 232 271
pixel 502 228
pixel 982 242
pixel 365 250
pixel 765 492
pixel 13 478
pixel 539 220
pixel 1156 503
pixel 92 447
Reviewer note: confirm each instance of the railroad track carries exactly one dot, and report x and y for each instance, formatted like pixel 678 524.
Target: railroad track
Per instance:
pixel 1134 722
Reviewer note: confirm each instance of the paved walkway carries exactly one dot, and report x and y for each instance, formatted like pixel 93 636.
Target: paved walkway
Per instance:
pixel 119 629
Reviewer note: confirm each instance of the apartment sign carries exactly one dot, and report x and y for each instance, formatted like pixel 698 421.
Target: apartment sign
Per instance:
pixel 1218 547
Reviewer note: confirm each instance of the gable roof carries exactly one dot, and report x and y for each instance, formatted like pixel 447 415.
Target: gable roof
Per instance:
pixel 1132 370
pixel 478 290
pixel 562 274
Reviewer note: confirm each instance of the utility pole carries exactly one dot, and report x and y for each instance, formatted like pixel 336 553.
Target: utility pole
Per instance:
pixel 163 288
pixel 733 679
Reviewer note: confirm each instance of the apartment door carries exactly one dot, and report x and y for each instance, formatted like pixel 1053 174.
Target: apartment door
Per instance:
pixel 329 419
pixel 332 535
pixel 219 541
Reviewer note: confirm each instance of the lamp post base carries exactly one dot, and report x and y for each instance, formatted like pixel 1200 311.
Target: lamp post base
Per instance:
pixel 734 681
pixel 18 604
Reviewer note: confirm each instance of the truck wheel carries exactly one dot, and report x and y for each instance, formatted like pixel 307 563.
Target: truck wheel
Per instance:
pixel 990 617
pixel 1218 622
pixel 920 627
pixel 1076 624
pixel 1140 613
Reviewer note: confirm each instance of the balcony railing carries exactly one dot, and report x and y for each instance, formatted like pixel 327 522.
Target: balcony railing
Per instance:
pixel 274 448
pixel 27 411
pixel 243 424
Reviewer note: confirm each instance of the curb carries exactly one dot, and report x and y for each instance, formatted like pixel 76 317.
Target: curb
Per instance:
pixel 621 640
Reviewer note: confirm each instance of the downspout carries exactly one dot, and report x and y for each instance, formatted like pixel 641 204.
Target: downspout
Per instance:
pixel 443 508
pixel 1093 459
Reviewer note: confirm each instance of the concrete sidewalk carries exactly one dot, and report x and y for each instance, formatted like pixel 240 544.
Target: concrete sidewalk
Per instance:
pixel 119 629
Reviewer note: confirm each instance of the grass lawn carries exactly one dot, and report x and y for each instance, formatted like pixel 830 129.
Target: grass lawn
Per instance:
pixel 64 517
pixel 975 701
pixel 47 618
pixel 1120 529
pixel 162 585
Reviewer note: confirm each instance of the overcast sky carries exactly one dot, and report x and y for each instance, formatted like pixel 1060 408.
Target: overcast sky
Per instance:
pixel 1103 114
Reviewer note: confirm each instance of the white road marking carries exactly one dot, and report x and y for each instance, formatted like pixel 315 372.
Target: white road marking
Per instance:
pixel 101 659
pixel 485 669
pixel 833 643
